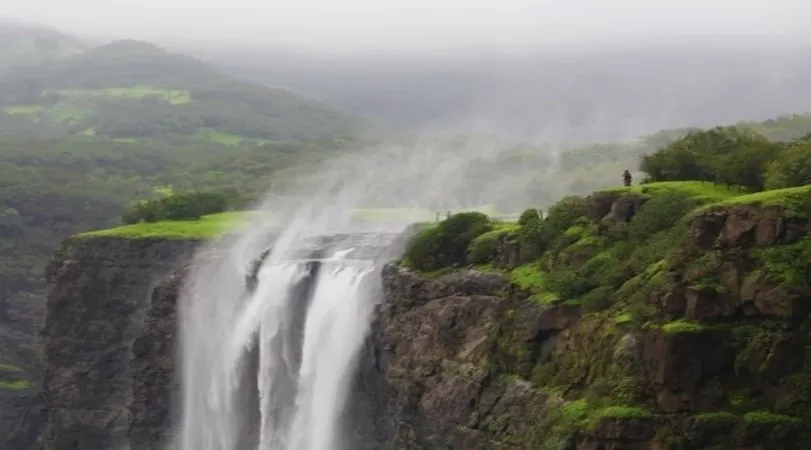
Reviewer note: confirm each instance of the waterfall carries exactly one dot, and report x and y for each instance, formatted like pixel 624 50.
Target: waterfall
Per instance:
pixel 268 368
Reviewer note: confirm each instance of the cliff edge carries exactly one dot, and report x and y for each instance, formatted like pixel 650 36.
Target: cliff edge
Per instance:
pixel 666 316
pixel 105 295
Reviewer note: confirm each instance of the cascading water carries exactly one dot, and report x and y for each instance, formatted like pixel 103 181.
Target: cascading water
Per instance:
pixel 269 368
pixel 267 357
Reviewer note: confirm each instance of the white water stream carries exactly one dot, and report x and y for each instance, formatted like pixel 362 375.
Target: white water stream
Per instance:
pixel 270 369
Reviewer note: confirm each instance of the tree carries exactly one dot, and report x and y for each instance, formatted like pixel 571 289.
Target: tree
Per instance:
pixel 727 155
pixel 791 168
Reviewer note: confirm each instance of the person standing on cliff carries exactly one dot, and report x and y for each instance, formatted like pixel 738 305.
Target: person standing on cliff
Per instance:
pixel 626 178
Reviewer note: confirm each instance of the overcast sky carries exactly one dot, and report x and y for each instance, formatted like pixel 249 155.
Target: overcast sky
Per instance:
pixel 416 24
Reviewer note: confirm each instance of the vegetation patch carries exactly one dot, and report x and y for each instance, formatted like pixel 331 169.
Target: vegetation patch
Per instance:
pixel 682 326
pixel 701 191
pixel 446 244
pixel 621 413
pixel 191 205
pixel 529 277
pixel 206 227
pixel 16 385
pixel 171 96
pixel 794 200
pixel 788 264
pixel 23 110
pixel 769 418
pixel 716 417
pixel 485 248
pixel 9 368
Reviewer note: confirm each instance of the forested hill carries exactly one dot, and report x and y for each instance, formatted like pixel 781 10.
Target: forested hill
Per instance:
pixel 130 89
pixel 22 44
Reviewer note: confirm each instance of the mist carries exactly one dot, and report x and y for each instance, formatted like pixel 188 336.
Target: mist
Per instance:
pixel 420 25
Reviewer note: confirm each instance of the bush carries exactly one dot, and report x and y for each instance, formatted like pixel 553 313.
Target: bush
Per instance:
pixel 536 234
pixel 528 216
pixel 484 248
pixel 187 206
pixel 564 214
pixel 532 241
pixel 446 244
pixel 660 213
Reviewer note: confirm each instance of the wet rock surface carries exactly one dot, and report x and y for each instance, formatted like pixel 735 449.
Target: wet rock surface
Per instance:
pixel 104 294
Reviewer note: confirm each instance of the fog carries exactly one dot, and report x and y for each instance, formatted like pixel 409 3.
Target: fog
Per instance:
pixel 420 25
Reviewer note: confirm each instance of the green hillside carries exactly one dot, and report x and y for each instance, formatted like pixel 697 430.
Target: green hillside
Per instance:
pixel 133 90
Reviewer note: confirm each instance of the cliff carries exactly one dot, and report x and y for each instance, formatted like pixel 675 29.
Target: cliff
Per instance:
pixel 668 316
pixel 663 317
pixel 105 295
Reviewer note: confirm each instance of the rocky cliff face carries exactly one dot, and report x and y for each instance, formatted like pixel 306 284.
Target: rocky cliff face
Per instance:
pixel 106 295
pixel 21 366
pixel 702 346
pixel 705 349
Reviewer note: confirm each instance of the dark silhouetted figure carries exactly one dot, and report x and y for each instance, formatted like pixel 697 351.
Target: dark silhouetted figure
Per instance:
pixel 626 177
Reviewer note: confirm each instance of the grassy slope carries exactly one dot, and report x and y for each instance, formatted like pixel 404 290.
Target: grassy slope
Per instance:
pixel 207 227
pixel 217 224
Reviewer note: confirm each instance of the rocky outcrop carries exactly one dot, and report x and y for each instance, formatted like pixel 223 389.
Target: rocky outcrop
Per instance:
pixel 105 294
pixel 704 347
pixel 718 361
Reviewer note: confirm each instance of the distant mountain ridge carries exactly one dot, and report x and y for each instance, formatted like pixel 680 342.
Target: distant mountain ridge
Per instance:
pixel 129 89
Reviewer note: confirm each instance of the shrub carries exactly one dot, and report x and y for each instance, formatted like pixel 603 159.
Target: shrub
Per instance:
pixel 187 206
pixel 446 244
pixel 660 213
pixel 563 215
pixel 484 248
pixel 532 241
pixel 536 234
pixel 529 215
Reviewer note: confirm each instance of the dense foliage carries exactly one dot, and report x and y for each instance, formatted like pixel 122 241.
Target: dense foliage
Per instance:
pixel 446 244
pixel 732 156
pixel 191 205
pixel 791 167
pixel 53 188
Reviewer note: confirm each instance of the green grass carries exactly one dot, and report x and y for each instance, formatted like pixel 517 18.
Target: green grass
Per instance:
pixel 531 278
pixel 623 319
pixel 64 112
pixel 15 385
pixel 718 417
pixel 682 326
pixel 769 418
pixel 172 96
pixel 699 190
pixel 23 110
pixel 223 138
pixel 795 200
pixel 207 227
pixel 218 224
pixel 622 412
pixel 9 368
